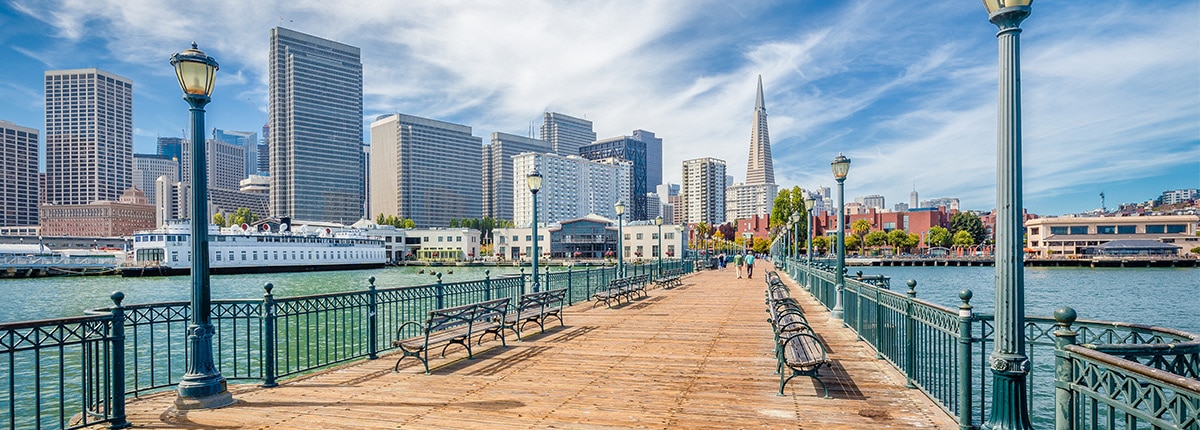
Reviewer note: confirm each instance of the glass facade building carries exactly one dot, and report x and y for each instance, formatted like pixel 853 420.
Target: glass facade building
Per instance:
pixel 629 149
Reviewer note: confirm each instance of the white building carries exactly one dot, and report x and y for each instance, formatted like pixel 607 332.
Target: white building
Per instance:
pixel 572 187
pixel 425 170
pixel 592 237
pixel 566 133
pixel 703 191
pixel 744 201
pixel 424 244
pixel 147 168
pixel 89 136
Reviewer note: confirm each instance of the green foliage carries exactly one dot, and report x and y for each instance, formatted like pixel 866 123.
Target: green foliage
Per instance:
pixel 898 239
pixel 1196 250
pixel 966 221
pixel 913 241
pixel 821 244
pixel 380 220
pixel 938 236
pixel 243 216
pixel 780 208
pixel 875 239
pixel 853 243
pixel 860 228
pixel 761 245
pixel 455 223
pixel 963 239
pixel 219 220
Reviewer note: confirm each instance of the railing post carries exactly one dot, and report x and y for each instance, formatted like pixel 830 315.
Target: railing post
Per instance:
pixel 441 291
pixel 117 342
pixel 965 316
pixel 878 323
pixel 487 284
pixel 1064 399
pixel 522 281
pixel 569 276
pixel 547 283
pixel 858 307
pixel 372 320
pixel 910 328
pixel 587 282
pixel 268 316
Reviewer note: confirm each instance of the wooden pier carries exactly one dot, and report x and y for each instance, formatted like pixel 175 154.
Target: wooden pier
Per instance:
pixel 697 356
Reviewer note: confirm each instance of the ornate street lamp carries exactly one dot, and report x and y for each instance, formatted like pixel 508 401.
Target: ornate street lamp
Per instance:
pixel 795 234
pixel 1008 362
pixel 658 222
pixel 841 166
pixel 620 208
pixel 535 183
pixel 202 387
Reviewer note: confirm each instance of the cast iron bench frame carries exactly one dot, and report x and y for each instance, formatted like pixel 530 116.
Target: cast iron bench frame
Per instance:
pixel 670 278
pixel 535 308
pixel 455 325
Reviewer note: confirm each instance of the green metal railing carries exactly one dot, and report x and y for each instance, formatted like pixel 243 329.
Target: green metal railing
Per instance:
pixel 76 372
pixel 1102 375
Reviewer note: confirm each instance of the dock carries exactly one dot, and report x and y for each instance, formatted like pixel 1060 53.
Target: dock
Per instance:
pixel 696 356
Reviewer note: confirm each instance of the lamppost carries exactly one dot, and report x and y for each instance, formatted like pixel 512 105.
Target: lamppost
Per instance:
pixel 658 222
pixel 202 387
pixel 1008 362
pixel 795 234
pixel 841 165
pixel 808 232
pixel 746 237
pixel 620 208
pixel 535 183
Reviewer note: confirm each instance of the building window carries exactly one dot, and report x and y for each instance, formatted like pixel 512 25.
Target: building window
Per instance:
pixel 1058 230
pixel 1106 229
pixel 1176 228
pixel 1155 229
pixel 639 236
pixel 1126 229
pixel 1034 230
pixel 1079 229
pixel 889 226
pixel 669 235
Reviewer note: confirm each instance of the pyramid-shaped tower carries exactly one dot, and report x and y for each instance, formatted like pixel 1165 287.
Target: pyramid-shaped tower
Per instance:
pixel 759 169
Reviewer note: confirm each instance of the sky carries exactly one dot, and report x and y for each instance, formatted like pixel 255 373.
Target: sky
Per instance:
pixel 1110 89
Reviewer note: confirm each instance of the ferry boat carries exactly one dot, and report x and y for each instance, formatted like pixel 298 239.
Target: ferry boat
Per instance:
pixel 167 250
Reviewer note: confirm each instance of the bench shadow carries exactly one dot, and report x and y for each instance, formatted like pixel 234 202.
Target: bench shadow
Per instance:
pixel 536 333
pixel 641 303
pixel 486 362
pixel 841 384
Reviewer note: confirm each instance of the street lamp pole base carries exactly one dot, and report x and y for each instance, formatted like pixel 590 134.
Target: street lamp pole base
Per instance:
pixel 219 400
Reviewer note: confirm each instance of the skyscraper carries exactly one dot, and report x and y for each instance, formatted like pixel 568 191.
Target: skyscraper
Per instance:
pixel 19 183
pixel 171 147
pixel 425 170
pixel 226 164
pixel 498 178
pixel 316 128
pixel 147 168
pixel 757 195
pixel 89 136
pixel 654 164
pixel 245 139
pixel 566 133
pixel 572 187
pixel 759 170
pixel 629 149
pixel 703 191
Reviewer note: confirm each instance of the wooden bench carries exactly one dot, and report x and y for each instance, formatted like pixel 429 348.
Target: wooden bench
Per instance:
pixel 670 278
pixel 797 348
pixel 619 288
pixel 455 325
pixel 535 308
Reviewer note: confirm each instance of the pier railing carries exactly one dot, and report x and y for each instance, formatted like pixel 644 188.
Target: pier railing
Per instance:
pixel 76 372
pixel 1085 374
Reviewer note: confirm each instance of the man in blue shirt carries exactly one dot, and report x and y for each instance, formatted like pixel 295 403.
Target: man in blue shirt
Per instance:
pixel 750 265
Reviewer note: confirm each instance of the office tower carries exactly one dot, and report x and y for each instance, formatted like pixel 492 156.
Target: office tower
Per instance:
pixel 678 209
pixel 147 168
pixel 912 198
pixel 19 182
pixel 950 203
pixel 703 191
pixel 498 178
pixel 316 133
pixel 170 147
pixel 248 140
pixel 654 163
pixel 665 191
pixel 572 187
pixel 264 153
pixel 566 133
pixel 226 164
pixel 89 136
pixel 364 161
pixel 654 206
pixel 172 200
pixel 875 201
pixel 760 170
pixel 629 149
pixel 425 170
pixel 757 195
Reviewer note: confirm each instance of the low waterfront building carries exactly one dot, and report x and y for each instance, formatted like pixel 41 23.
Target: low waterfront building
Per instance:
pixel 590 237
pixel 1078 236
pixel 424 244
pixel 101 218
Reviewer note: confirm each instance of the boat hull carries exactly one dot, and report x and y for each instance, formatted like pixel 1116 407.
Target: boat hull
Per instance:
pixel 174 271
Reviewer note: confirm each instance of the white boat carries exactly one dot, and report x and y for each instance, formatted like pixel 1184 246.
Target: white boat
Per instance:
pixel 167 250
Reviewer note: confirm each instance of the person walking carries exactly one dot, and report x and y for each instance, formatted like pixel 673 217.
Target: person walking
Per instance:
pixel 737 261
pixel 721 261
pixel 750 266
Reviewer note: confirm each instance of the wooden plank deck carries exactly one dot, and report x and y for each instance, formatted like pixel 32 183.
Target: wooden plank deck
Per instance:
pixel 697 356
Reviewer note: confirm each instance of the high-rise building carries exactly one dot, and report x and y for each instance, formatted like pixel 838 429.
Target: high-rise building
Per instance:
pixel 425 170
pixel 89 136
pixel 872 201
pixel 654 163
pixel 703 191
pixel 19 182
pixel 147 168
pixel 566 133
pixel 1178 196
pixel 264 153
pixel 629 149
pixel 498 176
pixel 912 198
pixel 572 187
pixel 756 196
pixel 316 128
pixel 170 147
pixel 226 164
pixel 365 161
pixel 760 170
pixel 950 203
pixel 247 140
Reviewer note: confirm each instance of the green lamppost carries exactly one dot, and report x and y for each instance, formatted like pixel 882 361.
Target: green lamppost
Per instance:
pixel 808 231
pixel 620 208
pixel 1008 362
pixel 535 183
pixel 841 166
pixel 795 234
pixel 202 387
pixel 658 222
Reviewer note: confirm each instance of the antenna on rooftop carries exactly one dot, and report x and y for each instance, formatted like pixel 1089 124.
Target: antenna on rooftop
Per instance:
pixel 1103 208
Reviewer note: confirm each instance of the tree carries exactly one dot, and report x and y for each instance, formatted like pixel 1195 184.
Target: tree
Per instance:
pixel 243 216
pixel 781 208
pixel 875 239
pixel 938 236
pixel 897 239
pixel 219 220
pixel 860 228
pixel 454 223
pixel 913 241
pixel 407 223
pixel 853 243
pixel 702 231
pixel 966 221
pixel 380 220
pixel 821 243
pixel 761 245
pixel 963 239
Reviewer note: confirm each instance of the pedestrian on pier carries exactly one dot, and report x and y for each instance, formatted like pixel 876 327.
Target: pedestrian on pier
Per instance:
pixel 750 266
pixel 737 261
pixel 721 261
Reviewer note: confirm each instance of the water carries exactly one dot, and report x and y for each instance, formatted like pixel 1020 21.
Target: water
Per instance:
pixel 55 297
pixel 1165 297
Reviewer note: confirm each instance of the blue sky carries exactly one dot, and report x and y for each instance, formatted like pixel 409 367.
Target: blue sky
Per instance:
pixel 1111 89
